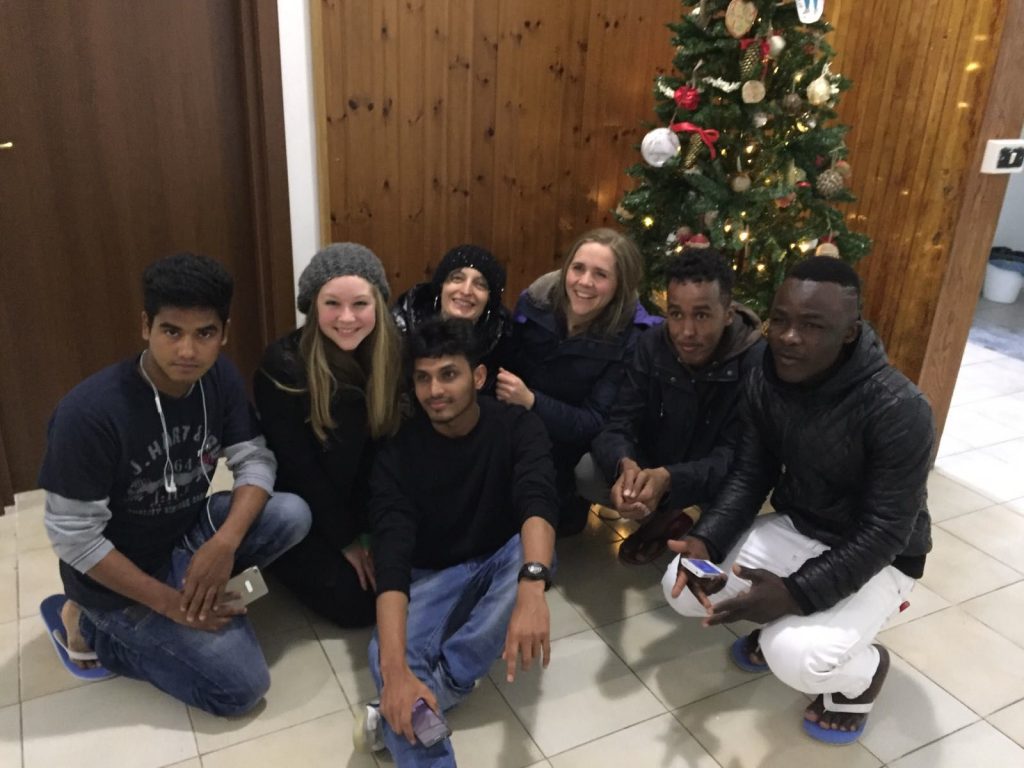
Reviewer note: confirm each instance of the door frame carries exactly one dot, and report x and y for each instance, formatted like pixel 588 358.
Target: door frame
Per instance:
pixel 265 147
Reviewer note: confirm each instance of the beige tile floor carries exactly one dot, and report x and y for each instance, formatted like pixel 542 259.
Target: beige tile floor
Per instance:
pixel 629 682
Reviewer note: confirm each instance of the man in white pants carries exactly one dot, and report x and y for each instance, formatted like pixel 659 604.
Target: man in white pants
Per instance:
pixel 845 440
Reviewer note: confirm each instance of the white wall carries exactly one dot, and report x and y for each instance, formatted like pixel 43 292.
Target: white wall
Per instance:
pixel 1010 232
pixel 299 130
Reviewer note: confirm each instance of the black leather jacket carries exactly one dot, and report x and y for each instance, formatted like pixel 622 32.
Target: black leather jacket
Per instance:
pixel 848 459
pixel 667 415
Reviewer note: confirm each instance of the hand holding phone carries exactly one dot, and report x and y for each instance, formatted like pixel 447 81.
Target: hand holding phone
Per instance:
pixel 243 588
pixel 430 728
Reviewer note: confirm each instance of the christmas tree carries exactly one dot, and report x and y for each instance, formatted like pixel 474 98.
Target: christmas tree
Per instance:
pixel 748 156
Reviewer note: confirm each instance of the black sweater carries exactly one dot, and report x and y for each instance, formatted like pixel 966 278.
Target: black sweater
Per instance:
pixel 439 501
pixel 331 477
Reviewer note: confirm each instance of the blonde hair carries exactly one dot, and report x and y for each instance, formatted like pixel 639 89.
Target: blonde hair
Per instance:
pixel 380 354
pixel 628 273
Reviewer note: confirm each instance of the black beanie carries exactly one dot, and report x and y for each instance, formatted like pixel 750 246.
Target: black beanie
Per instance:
pixel 478 258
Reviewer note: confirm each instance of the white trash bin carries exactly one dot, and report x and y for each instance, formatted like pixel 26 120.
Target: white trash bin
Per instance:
pixel 1003 281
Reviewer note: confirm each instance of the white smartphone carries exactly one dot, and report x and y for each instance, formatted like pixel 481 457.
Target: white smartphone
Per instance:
pixel 248 585
pixel 702 569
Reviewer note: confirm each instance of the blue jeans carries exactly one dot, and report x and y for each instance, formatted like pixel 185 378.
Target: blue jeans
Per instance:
pixel 455 630
pixel 224 672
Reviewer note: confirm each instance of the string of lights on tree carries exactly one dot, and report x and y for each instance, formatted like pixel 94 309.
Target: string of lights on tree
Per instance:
pixel 748 156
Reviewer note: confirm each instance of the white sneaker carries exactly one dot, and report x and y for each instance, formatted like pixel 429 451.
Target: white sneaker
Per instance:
pixel 368 732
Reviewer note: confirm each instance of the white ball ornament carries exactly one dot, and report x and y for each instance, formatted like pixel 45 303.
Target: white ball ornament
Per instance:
pixel 776 45
pixel 827 249
pixel 659 146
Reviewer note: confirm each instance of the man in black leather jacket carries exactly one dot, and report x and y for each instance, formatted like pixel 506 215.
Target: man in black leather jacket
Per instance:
pixel 845 440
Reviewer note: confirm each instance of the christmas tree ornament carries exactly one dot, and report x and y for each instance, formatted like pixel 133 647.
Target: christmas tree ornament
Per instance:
pixel 692 151
pixel 810 11
pixel 785 201
pixel 819 91
pixel 623 213
pixel 830 183
pixel 683 234
pixel 750 64
pixel 698 241
pixel 706 136
pixel 659 146
pixel 844 169
pixel 759 119
pixel 740 17
pixel 753 92
pixel 710 218
pixel 776 45
pixel 741 183
pixel 792 103
pixel 687 97
pixel 827 249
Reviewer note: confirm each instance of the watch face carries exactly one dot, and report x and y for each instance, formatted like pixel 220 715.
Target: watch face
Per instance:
pixel 534 569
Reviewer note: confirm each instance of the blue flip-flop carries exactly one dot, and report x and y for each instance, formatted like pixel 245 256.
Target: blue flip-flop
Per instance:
pixel 832 736
pixel 741 657
pixel 49 609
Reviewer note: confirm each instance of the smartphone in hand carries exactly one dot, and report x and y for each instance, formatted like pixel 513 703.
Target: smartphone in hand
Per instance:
pixel 702 569
pixel 430 728
pixel 248 585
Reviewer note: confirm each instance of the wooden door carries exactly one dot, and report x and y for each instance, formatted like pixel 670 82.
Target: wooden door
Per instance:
pixel 139 128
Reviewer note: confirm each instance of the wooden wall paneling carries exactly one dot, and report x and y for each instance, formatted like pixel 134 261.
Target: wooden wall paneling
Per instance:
pixel 319 65
pixel 380 159
pixel 977 218
pixel 438 120
pixel 483 128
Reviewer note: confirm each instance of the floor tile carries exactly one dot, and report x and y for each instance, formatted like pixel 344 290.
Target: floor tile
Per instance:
pixel 10 736
pixel 9 663
pixel 601 588
pixel 27 499
pixel 8 534
pixel 922 602
pixel 565 620
pixel 31 530
pixel 975 353
pixel 988 677
pixel 322 743
pixel 951 558
pixel 38 577
pixel 346 652
pixel 970 424
pixel 301 688
pixel 984 472
pixel 947 498
pixel 981 381
pixel 680 660
pixel 278 611
pixel 485 731
pixel 950 446
pixel 8 588
pixel 1002 610
pixel 1007 411
pixel 998 531
pixel 42 672
pixel 660 741
pixel 584 694
pixel 1010 721
pixel 978 744
pixel 193 763
pixel 83 727
pixel 911 711
pixel 758 724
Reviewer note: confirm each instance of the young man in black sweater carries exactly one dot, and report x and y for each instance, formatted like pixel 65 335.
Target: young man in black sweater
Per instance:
pixel 463 513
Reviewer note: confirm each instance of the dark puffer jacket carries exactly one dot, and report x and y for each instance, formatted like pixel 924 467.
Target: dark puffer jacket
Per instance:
pixel 849 462
pixel 687 421
pixel 420 303
pixel 575 380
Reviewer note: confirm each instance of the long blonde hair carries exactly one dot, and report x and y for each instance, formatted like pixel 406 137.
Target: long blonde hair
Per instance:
pixel 628 273
pixel 379 354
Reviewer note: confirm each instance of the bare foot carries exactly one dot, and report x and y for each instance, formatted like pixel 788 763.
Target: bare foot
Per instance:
pixel 69 614
pixel 849 721
pixel 752 648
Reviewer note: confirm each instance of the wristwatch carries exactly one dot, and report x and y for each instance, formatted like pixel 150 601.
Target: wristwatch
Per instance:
pixel 536 572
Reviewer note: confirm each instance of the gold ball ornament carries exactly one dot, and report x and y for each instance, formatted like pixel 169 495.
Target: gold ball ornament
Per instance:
pixel 740 17
pixel 827 249
pixel 819 92
pixel 753 92
pixel 830 183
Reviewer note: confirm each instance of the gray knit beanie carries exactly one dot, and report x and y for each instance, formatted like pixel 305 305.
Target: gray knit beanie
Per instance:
pixel 338 260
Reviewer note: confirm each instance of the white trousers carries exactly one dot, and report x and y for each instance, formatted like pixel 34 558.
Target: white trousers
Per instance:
pixel 829 651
